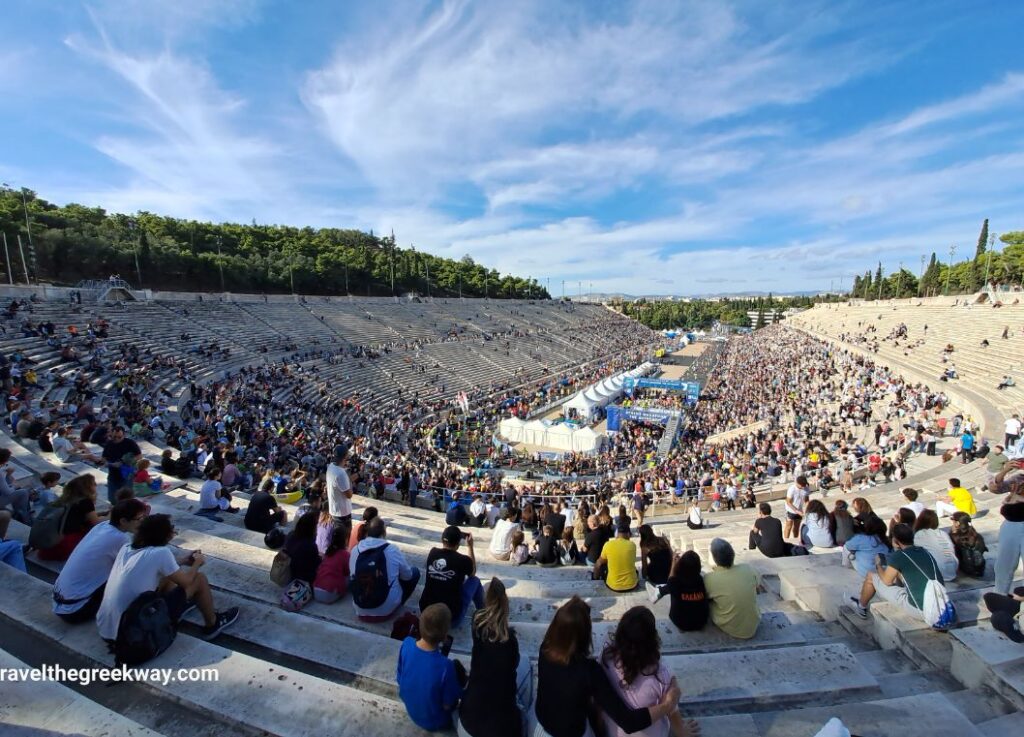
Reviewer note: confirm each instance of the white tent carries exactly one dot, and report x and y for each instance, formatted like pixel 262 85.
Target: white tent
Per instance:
pixel 596 397
pixel 535 433
pixel 581 404
pixel 511 428
pixel 560 437
pixel 588 440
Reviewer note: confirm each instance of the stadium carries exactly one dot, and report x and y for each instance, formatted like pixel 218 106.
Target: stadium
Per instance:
pixel 288 480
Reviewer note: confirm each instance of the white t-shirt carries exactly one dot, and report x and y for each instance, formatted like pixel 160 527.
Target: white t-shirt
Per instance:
pixel 398 568
pixel 818 531
pixel 477 507
pixel 62 448
pixel 501 539
pixel 915 507
pixel 1012 427
pixel 208 495
pixel 89 565
pixel 338 483
pixel 134 572
pixel 493 512
pixel 937 543
pixel 796 498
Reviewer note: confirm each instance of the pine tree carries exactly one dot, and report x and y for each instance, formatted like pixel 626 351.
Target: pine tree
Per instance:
pixel 982 241
pixel 875 292
pixel 855 291
pixel 760 318
pixel 865 285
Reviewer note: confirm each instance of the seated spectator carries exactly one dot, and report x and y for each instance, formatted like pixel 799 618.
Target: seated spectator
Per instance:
pixel 11 551
pixel 325 531
pixel 617 564
pixel 301 548
pixel 48 493
pixel 213 499
pixel 816 530
pixel 969 545
pixel 841 522
pixel 499 696
pixel 554 517
pixel 457 514
pixel 732 591
pixel 958 499
pixel 66 451
pixel 429 684
pixel 594 541
pixel 937 542
pixel 632 662
pixel 331 581
pixel 569 681
pixel 655 557
pixel 1006 612
pixel 380 579
pixel 766 534
pixel 501 538
pixel 862 512
pixel 263 513
pixel 912 504
pixel 13 497
pixel 568 550
pixel 477 511
pixel 860 551
pixel 78 591
pixel 694 520
pixel 546 552
pixel 359 528
pixel 901 577
pixel 79 497
pixel 149 565
pixel 902 516
pixel 450 576
pixel 520 553
pixel 688 600
pixel 142 481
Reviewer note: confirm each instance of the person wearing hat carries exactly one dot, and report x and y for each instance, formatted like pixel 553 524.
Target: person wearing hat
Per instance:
pixel 339 490
pixel 617 564
pixel 450 577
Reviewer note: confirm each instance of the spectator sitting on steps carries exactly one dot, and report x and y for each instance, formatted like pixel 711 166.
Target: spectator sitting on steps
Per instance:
pixel 766 534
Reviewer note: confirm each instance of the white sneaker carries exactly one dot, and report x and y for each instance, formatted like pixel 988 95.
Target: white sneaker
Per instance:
pixel 653 592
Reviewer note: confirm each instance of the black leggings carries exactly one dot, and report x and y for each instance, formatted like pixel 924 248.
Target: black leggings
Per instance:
pixel 1004 609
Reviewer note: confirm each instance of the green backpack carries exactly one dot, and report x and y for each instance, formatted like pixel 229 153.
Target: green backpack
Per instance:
pixel 48 527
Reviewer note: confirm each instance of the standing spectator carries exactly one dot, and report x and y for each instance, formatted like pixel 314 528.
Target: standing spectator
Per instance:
pixel 1012 431
pixel 429 684
pixel 796 500
pixel 339 491
pixel 78 591
pixel 451 576
pixel 1011 536
pixel 384 581
pixel 632 662
pixel 499 694
pixel 967 446
pixel 766 534
pixel 569 680
pixel 120 453
pixel 149 565
pixel 732 590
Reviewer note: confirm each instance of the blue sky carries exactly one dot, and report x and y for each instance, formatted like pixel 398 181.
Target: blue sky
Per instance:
pixel 644 147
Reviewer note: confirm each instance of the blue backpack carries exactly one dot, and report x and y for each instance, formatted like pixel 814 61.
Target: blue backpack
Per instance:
pixel 370 585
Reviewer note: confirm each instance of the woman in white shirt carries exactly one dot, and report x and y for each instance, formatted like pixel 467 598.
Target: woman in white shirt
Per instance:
pixel 937 542
pixel 816 531
pixel 695 520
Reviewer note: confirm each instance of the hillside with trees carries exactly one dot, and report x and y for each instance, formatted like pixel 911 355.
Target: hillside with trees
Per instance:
pixel 1005 266
pixel 74 242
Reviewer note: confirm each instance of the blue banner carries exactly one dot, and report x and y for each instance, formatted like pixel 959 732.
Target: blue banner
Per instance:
pixel 691 388
pixel 616 414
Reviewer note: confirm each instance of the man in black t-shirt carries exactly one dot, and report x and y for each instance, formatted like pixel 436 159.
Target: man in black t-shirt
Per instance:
pixel 114 453
pixel 766 534
pixel 545 547
pixel 451 576
pixel 593 543
pixel 263 513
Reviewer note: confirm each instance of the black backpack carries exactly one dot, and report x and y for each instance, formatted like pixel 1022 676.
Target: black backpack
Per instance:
pixel 145 631
pixel 370 585
pixel 972 560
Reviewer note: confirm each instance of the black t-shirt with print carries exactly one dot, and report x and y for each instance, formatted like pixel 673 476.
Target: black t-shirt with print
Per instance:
pixel 688 604
pixel 446 571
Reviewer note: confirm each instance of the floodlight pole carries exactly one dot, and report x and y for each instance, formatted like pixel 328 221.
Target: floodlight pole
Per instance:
pixel 949 271
pixel 24 265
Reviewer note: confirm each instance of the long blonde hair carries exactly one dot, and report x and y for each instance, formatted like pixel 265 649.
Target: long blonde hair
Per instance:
pixel 491 622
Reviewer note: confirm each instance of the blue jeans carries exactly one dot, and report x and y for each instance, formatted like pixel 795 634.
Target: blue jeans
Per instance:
pixel 472 590
pixel 1011 550
pixel 10 553
pixel 114 482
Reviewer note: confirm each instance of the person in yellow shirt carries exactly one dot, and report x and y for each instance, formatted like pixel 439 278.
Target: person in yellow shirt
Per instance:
pixel 617 564
pixel 958 499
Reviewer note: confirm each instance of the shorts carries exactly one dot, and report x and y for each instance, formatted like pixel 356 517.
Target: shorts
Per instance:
pixel 177 602
pixel 895 595
pixel 794 517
